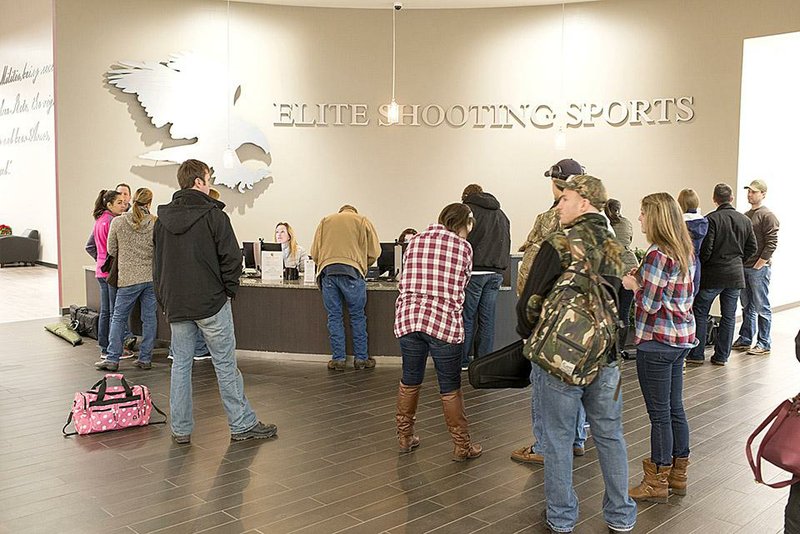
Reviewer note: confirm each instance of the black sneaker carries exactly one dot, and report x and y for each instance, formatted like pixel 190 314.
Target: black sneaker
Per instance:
pixel 129 343
pixel 260 431
pixel 182 440
pixel 143 365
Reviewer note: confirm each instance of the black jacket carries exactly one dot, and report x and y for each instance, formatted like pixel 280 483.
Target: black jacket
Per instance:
pixel 197 261
pixel 729 241
pixel 491 236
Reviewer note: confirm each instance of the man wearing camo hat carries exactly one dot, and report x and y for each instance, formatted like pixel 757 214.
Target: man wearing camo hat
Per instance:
pixel 579 210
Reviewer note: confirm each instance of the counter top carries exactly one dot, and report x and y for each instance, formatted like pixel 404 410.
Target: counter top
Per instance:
pixel 299 284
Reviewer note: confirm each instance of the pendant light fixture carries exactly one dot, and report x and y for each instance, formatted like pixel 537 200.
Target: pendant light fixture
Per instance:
pixel 393 109
pixel 561 132
pixel 229 155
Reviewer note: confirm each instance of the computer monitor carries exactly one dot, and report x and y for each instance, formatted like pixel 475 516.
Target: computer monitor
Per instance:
pixel 249 252
pixel 270 247
pixel 386 260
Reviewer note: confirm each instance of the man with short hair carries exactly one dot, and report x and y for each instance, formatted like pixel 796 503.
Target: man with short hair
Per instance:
pixel 345 245
pixel 124 190
pixel 729 241
pixel 756 310
pixel 545 224
pixel 491 246
pixel 196 268
pixel 579 214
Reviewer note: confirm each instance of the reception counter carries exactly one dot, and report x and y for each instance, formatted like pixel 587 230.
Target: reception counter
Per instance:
pixel 288 316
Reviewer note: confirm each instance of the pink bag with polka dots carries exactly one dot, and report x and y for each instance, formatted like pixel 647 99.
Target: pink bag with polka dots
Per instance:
pixel 105 407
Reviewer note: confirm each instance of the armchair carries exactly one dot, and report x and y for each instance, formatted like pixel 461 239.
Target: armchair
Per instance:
pixel 20 248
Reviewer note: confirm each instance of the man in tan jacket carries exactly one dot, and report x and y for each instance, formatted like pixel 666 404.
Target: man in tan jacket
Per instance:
pixel 345 245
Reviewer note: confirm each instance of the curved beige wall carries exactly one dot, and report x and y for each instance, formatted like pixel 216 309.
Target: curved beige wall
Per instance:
pixel 615 50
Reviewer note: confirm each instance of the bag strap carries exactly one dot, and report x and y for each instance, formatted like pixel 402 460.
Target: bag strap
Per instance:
pixel 101 393
pixel 780 413
pixel 64 430
pixel 159 411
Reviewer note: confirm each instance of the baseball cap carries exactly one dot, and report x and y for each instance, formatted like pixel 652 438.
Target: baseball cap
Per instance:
pixel 589 187
pixel 564 169
pixel 757 185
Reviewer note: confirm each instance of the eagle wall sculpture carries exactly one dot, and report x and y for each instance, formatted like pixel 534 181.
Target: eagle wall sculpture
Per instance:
pixel 193 96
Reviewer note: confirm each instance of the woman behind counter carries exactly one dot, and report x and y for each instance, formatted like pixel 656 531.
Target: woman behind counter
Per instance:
pixel 294 256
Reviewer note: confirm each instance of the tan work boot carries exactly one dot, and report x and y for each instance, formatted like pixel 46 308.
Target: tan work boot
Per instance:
pixel 654 486
pixel 677 476
pixel 455 416
pixel 407 399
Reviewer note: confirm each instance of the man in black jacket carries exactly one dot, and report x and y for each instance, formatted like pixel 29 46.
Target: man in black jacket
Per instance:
pixel 197 263
pixel 729 241
pixel 491 248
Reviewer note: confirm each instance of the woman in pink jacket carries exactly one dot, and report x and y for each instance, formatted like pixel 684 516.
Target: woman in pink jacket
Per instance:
pixel 108 205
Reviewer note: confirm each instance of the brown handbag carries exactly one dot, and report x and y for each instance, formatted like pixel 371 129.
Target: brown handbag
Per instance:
pixel 781 444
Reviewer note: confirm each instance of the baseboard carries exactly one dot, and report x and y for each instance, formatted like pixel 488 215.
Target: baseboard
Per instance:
pixel 784 307
pixel 45 264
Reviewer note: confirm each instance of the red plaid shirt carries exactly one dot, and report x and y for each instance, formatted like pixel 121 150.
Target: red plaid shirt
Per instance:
pixel 436 268
pixel 664 302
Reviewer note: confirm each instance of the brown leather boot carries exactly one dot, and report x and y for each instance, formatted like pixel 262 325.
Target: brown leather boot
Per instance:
pixel 407 399
pixel 654 486
pixel 456 418
pixel 677 476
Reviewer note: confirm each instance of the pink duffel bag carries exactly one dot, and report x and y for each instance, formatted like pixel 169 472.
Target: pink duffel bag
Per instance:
pixel 104 408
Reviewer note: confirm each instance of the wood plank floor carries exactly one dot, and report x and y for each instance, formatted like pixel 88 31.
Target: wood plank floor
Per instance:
pixel 334 466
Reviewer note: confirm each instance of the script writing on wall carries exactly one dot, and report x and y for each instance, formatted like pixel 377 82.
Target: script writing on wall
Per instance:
pixel 615 113
pixel 26 110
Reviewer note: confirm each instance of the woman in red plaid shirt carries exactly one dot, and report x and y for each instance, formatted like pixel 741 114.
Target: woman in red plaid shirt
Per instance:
pixel 436 268
pixel 665 330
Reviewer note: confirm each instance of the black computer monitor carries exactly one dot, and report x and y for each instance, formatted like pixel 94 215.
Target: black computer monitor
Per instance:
pixel 270 247
pixel 249 255
pixel 386 259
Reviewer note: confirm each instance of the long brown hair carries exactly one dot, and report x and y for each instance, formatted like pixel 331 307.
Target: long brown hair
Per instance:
pixel 141 200
pixel 104 198
pixel 665 228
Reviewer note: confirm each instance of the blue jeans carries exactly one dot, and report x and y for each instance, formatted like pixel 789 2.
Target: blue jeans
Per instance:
pixel 126 298
pixel 756 308
pixel 728 298
pixel 560 406
pixel 200 347
pixel 538 423
pixel 218 331
pixel 108 295
pixel 661 379
pixel 415 348
pixel 338 289
pixel 480 302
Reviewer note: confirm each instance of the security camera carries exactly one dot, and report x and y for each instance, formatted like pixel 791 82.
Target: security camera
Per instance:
pixel 398 6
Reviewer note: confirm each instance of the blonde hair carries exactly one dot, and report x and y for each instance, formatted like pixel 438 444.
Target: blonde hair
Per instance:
pixel 140 201
pixel 688 200
pixel 292 242
pixel 665 228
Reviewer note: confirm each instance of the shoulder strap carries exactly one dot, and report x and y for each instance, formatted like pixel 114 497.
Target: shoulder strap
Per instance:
pixel 778 414
pixel 64 430
pixel 156 408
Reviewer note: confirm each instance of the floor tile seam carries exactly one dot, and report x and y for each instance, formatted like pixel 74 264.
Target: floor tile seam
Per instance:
pixel 169 528
pixel 394 511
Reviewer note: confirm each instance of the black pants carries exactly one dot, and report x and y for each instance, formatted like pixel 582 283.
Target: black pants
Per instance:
pixel 792 521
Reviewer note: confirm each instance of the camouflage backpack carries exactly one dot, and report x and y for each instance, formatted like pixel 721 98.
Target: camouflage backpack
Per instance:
pixel 578 324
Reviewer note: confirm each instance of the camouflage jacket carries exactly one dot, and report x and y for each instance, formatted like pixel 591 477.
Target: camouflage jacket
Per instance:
pixel 545 224
pixel 602 249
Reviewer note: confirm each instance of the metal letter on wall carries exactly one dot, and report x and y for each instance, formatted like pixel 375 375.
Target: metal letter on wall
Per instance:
pixel 189 93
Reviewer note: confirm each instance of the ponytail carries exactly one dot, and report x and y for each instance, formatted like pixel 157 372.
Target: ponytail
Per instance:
pixel 141 200
pixel 104 198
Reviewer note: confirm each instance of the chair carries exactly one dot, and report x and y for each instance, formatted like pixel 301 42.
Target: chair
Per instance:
pixel 20 248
